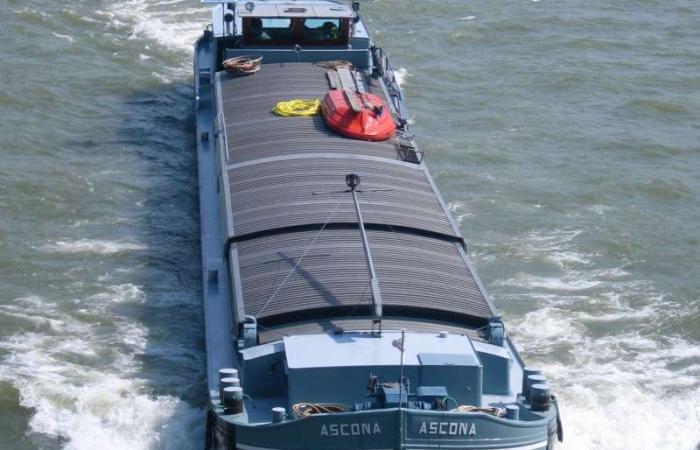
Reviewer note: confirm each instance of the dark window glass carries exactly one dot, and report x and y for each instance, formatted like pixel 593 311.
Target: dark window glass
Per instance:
pixel 320 30
pixel 269 29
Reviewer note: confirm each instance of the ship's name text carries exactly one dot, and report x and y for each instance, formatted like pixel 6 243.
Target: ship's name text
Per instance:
pixel 371 428
pixel 448 428
pixel 350 429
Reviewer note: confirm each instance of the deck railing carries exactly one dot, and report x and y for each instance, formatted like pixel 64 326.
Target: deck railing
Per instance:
pixel 383 66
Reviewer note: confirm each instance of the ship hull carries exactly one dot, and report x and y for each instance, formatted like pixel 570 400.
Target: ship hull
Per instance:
pixel 396 429
pixel 447 348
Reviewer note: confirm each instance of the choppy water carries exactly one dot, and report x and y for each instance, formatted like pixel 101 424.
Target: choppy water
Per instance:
pixel 565 136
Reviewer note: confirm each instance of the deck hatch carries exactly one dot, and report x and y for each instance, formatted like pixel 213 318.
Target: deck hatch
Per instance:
pixel 255 132
pixel 293 192
pixel 414 272
pixel 273 167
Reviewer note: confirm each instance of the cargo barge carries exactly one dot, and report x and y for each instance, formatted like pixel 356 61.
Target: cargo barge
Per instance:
pixel 341 309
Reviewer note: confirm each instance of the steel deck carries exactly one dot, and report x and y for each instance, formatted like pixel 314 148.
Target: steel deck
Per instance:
pixel 295 252
pixel 254 132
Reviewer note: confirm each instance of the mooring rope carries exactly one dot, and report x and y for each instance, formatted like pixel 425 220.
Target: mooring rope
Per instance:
pixel 334 64
pixel 497 412
pixel 243 65
pixel 308 409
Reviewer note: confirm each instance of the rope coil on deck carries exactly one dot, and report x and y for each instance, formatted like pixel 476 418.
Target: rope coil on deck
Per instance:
pixel 496 412
pixel 309 409
pixel 299 107
pixel 334 64
pixel 243 65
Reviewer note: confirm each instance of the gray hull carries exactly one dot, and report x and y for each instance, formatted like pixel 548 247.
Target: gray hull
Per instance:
pixel 391 429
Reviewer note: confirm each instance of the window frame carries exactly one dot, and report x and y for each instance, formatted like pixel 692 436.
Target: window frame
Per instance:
pixel 296 38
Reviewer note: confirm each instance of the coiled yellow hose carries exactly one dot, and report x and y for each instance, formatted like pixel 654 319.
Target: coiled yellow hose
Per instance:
pixel 300 107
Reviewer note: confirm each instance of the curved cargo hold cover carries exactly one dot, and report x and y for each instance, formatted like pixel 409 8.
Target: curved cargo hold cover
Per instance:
pixel 295 252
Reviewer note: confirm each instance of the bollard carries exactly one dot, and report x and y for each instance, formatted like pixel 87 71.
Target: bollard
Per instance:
pixel 527 371
pixel 228 373
pixel 230 382
pixel 513 412
pixel 532 379
pixel 227 382
pixel 278 414
pixel 541 397
pixel 233 400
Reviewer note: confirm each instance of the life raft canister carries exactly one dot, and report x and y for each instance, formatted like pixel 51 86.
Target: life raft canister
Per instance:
pixel 359 116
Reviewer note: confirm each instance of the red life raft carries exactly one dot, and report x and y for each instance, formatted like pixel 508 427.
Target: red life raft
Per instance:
pixel 359 116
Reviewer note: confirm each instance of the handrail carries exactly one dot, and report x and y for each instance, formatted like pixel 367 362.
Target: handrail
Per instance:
pixel 386 72
pixel 381 62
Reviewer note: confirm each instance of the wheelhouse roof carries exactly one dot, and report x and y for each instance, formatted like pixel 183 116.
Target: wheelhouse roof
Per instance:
pixel 310 9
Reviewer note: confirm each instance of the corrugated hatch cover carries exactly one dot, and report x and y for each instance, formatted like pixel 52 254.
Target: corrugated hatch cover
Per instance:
pixel 254 132
pixel 295 251
pixel 310 190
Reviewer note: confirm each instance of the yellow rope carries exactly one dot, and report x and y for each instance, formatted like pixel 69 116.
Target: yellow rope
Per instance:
pixel 299 107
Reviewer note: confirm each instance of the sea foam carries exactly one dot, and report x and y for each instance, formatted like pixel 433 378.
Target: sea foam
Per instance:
pixel 89 401
pixel 96 246
pixel 631 388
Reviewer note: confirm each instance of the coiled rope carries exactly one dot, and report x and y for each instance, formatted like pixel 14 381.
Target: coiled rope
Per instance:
pixel 243 65
pixel 309 409
pixel 334 64
pixel 300 107
pixel 496 412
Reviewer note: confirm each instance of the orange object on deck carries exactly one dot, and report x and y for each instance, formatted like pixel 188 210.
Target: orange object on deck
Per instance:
pixel 359 116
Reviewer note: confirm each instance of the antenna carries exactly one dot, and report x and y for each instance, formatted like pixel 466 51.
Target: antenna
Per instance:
pixel 353 180
pixel 401 345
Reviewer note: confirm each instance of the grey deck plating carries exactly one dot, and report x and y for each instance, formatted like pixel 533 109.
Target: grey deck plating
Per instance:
pixel 254 132
pixel 309 189
pixel 285 178
pixel 415 272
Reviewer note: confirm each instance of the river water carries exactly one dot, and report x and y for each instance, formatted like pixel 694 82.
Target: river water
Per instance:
pixel 565 136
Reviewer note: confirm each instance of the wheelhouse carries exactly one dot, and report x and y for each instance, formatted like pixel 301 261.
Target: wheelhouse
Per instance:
pixel 285 24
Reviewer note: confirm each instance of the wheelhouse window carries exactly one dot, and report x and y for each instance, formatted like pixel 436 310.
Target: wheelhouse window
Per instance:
pixel 270 29
pixel 290 31
pixel 320 30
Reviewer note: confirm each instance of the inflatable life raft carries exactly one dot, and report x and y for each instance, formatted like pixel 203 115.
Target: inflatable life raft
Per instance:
pixel 357 115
